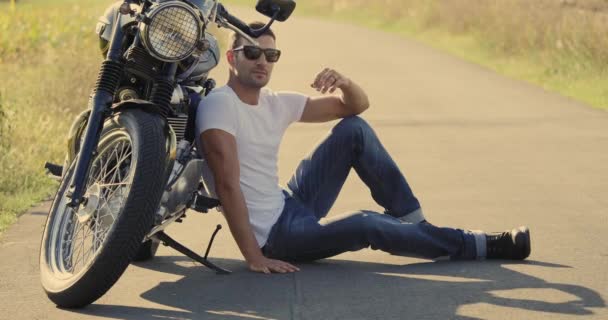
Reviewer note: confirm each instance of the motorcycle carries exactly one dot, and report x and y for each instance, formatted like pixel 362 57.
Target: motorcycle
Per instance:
pixel 132 166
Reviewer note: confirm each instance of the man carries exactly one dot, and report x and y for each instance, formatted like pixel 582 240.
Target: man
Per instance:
pixel 241 125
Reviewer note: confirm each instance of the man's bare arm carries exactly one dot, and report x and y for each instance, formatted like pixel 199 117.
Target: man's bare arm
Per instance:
pixel 221 155
pixel 321 109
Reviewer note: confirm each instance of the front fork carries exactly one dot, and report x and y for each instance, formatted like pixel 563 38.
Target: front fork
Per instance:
pixel 100 103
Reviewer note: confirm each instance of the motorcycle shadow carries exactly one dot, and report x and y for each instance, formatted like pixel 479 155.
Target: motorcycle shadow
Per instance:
pixel 342 289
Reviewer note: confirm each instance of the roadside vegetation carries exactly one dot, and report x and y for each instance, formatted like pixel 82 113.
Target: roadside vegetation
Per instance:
pixel 48 61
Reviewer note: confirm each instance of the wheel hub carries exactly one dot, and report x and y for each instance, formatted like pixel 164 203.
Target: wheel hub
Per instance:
pixel 91 203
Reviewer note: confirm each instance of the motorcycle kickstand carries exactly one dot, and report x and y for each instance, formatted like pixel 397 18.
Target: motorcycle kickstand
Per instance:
pixel 168 241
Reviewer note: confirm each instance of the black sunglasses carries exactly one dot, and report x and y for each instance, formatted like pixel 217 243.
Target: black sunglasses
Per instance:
pixel 254 53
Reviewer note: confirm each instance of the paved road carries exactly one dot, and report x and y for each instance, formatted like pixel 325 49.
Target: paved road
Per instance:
pixel 481 151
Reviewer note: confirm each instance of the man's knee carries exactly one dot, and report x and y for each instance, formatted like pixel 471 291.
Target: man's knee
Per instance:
pixel 366 222
pixel 353 125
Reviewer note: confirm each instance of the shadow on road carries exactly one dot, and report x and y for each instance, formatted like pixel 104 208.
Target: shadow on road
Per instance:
pixel 340 289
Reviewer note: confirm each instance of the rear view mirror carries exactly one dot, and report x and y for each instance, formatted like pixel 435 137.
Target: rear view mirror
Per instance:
pixel 268 7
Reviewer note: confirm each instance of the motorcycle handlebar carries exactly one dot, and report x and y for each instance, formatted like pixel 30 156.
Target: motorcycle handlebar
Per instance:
pixel 239 24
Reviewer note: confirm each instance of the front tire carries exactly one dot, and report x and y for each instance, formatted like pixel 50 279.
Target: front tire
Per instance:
pixel 82 255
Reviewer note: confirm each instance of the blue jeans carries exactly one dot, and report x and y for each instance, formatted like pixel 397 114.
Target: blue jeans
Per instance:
pixel 299 236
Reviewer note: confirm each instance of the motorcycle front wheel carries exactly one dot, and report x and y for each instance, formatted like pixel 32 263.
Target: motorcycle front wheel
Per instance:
pixel 83 253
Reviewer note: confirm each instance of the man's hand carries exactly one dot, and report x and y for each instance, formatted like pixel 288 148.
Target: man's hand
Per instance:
pixel 266 265
pixel 327 108
pixel 330 79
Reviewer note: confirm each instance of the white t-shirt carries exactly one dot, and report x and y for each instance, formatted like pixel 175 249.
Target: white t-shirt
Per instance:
pixel 258 130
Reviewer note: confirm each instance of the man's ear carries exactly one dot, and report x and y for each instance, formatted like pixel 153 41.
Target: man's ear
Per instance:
pixel 230 57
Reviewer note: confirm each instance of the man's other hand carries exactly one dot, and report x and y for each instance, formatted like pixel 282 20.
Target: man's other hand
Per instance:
pixel 266 265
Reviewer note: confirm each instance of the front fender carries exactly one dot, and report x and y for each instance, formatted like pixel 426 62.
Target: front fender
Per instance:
pixel 73 141
pixel 148 106
pixel 80 123
pixel 144 105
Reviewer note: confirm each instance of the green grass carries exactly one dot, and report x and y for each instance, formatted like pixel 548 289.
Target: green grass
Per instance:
pixel 560 46
pixel 48 63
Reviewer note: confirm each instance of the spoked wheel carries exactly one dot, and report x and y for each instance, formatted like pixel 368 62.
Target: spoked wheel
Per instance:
pixel 85 251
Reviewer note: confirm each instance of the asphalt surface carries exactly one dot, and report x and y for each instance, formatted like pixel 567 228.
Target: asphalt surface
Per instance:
pixel 481 151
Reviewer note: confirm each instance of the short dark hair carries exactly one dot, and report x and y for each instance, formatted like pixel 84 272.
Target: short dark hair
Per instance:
pixel 235 38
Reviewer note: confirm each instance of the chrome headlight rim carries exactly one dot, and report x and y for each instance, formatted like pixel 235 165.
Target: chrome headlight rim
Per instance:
pixel 146 30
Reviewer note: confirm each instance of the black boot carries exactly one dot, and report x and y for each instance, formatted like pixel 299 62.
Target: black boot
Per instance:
pixel 514 244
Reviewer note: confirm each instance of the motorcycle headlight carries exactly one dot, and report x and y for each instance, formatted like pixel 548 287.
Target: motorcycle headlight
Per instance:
pixel 171 31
